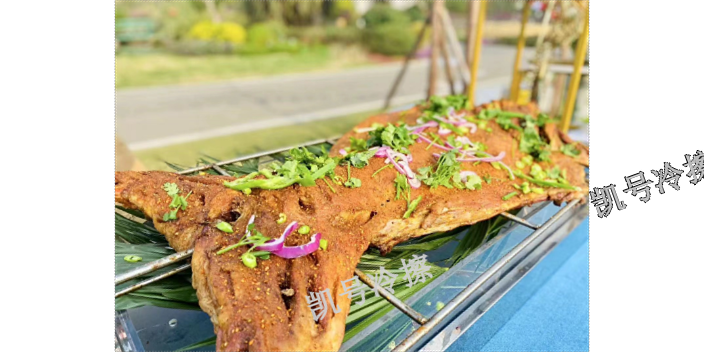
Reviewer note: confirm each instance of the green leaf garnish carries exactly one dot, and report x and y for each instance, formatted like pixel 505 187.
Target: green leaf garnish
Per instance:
pixel 171 189
pixel 358 144
pixel 224 227
pixel 509 196
pixel 570 150
pixel 446 168
pixel 255 239
pixel 396 137
pixel 412 207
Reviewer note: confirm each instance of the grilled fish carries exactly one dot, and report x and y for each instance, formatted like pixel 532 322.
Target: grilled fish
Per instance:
pixel 265 308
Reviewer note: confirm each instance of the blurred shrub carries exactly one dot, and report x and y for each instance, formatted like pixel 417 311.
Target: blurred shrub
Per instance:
pixel 316 35
pixel 457 6
pixel 389 39
pixel 388 31
pixel 344 8
pixel 415 13
pixel 343 35
pixel 312 35
pixel 218 32
pixel 381 14
pixel 283 47
pixel 266 34
pixel 199 47
pixel 175 19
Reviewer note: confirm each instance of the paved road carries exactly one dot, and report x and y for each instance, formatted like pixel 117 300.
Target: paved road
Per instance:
pixel 155 117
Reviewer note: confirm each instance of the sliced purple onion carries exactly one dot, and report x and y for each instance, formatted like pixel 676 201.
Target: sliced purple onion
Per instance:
pixel 487 159
pixel 300 251
pixel 465 140
pixel 465 174
pixel 396 165
pixel 343 152
pixel 414 182
pixel 424 138
pixel 251 221
pixel 444 131
pixel 420 128
pixel 277 244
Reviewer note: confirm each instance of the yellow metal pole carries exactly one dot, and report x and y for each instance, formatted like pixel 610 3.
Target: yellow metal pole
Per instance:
pixel 477 53
pixel 579 56
pixel 516 82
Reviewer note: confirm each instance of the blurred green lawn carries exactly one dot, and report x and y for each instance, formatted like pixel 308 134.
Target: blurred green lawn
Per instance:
pixel 149 69
pixel 228 147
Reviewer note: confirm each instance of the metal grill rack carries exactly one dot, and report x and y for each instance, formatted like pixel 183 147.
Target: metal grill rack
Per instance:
pixel 458 314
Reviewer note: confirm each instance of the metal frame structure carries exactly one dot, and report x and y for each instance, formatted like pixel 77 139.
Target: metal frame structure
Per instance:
pixel 427 324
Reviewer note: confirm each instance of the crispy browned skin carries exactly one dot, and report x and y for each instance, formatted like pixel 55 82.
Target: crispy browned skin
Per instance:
pixel 247 306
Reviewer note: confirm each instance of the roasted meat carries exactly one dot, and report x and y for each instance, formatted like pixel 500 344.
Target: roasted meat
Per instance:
pixel 265 308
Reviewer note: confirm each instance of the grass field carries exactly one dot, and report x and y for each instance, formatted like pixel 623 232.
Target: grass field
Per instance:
pixel 229 147
pixel 138 70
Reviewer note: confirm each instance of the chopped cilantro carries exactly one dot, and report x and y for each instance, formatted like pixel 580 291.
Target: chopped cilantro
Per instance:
pixel 506 123
pixel 403 190
pixel 570 150
pixel 412 207
pixel 360 159
pixel 396 137
pixel 358 144
pixel 177 202
pixel 302 167
pixel 255 239
pixel 447 167
pixel 440 105
pixel 351 181
pixel 509 196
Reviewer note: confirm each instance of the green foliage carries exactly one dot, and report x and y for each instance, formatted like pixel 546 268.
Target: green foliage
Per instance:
pixel 396 137
pixel 266 34
pixel 316 35
pixel 200 48
pixel 344 8
pixel 175 20
pixel 417 14
pixel 393 39
pixel 218 32
pixel 381 14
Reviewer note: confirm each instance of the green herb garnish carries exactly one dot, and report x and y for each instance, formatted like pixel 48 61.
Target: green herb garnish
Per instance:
pixel 443 175
pixel 302 167
pixel 509 196
pixel 397 138
pixel 403 190
pixel 224 227
pixel 132 258
pixel 358 145
pixel 546 183
pixel 381 168
pixel 351 181
pixel 570 150
pixel 177 201
pixel 256 239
